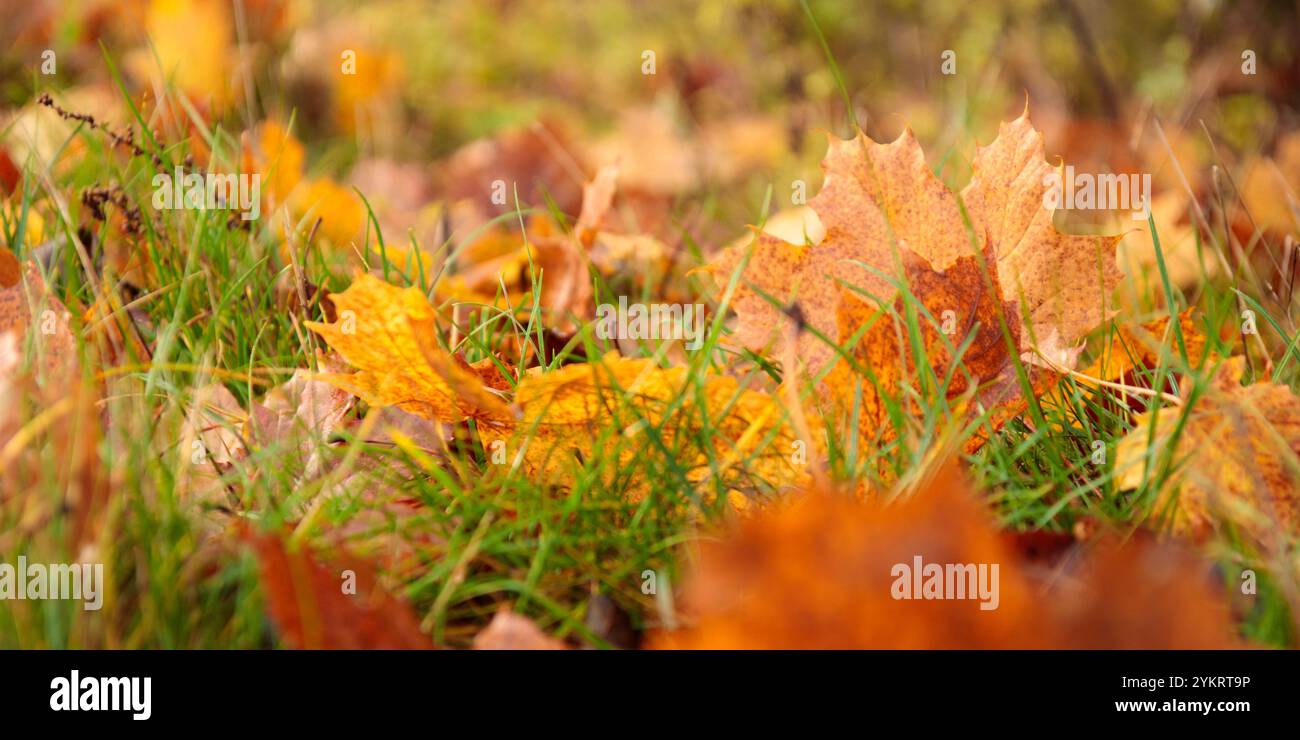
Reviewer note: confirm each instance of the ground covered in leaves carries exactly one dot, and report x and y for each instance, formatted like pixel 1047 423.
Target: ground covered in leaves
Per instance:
pixel 678 325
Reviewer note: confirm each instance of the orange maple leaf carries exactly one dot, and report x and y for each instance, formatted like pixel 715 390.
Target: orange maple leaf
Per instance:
pixel 887 216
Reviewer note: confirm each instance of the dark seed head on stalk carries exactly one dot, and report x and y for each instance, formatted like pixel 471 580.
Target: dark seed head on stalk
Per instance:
pixel 795 314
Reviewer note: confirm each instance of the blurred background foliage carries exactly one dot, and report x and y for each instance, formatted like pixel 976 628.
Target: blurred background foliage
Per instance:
pixel 453 72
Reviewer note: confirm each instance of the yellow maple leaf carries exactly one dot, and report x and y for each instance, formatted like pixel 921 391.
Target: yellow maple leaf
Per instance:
pixel 389 335
pixel 629 410
pixel 637 405
pixel 614 405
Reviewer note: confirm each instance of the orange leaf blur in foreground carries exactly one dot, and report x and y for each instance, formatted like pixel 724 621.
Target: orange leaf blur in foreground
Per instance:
pixel 820 573
pixel 312 611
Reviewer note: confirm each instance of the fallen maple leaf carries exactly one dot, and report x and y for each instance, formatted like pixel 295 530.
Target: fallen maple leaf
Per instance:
pixel 300 416
pixel 389 335
pixel 816 573
pixel 293 421
pixel 391 341
pixel 212 439
pixel 1143 346
pixel 1237 456
pixel 886 214
pixel 612 247
pixel 547 259
pixel 563 413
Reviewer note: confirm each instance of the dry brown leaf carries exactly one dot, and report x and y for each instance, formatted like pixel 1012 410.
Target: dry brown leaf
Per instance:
pixel 551 260
pixel 510 631
pixel 494 259
pixel 1237 456
pixel 536 160
pixel 212 439
pixel 561 267
pixel 597 198
pixel 611 249
pixel 298 418
pixel 25 304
